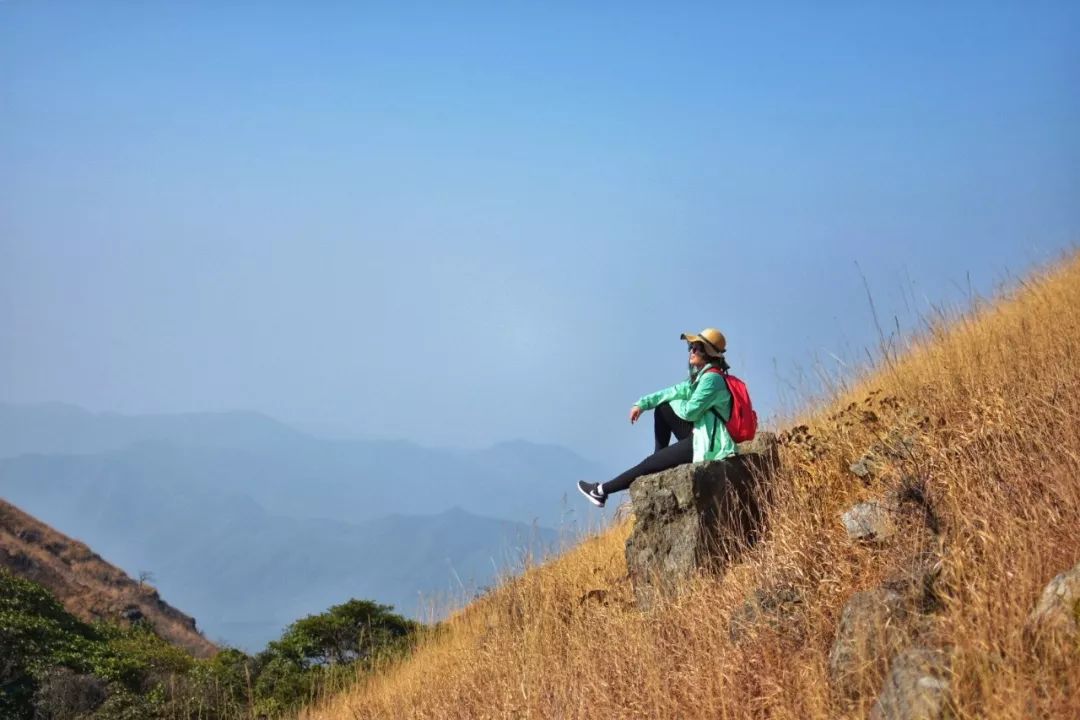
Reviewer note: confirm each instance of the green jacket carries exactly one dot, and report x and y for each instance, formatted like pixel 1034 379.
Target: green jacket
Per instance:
pixel 693 400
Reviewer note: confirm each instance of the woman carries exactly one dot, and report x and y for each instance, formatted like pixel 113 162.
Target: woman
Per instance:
pixel 695 411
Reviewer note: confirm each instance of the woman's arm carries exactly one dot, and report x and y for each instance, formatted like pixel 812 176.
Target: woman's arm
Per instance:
pixel 650 401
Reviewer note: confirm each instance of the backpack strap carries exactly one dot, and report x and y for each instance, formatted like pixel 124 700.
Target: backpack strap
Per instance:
pixel 713 410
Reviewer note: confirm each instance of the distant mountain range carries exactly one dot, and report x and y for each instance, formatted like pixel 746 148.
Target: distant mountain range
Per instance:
pixel 249 524
pixel 289 472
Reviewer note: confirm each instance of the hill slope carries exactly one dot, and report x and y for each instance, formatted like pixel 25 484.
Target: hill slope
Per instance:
pixel 992 404
pixel 89 588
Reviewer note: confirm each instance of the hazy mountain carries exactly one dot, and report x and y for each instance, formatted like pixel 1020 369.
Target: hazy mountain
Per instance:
pixel 249 525
pixel 291 473
pixel 245 574
pixel 63 428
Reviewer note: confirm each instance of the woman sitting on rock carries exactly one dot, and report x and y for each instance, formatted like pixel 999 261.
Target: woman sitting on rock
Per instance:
pixel 694 411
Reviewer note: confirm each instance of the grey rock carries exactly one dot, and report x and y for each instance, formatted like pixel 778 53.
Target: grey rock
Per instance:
pixel 698 516
pixel 872 628
pixel 878 519
pixel 917 687
pixel 1055 621
pixel 132 613
pixel 869 521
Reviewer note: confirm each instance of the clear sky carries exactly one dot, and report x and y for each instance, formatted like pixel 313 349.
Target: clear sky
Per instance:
pixel 461 223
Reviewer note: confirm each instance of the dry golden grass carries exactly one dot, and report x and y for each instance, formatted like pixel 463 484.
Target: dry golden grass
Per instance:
pixel 994 400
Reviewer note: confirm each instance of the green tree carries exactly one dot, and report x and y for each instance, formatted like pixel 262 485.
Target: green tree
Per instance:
pixel 355 630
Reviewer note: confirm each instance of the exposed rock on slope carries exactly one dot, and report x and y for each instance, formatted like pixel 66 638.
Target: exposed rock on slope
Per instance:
pixel 1055 621
pixel 696 516
pixel 88 586
pixel 918 687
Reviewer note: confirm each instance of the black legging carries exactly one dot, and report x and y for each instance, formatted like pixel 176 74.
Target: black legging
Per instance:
pixel 665 424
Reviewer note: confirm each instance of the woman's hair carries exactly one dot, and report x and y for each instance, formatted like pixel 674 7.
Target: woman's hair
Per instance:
pixel 720 362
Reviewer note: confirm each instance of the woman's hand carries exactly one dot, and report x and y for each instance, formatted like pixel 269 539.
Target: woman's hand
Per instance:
pixel 635 413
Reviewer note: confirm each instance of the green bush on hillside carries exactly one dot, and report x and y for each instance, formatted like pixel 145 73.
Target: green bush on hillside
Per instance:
pixel 323 651
pixel 37 634
pixel 356 630
pixel 52 665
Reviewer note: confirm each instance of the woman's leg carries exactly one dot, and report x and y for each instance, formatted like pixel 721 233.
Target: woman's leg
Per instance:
pixel 680 453
pixel 666 422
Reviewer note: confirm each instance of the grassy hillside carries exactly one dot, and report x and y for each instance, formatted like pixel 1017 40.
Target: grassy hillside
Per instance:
pixel 992 402
pixel 89 587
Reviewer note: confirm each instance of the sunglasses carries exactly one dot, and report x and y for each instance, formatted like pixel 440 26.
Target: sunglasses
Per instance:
pixel 696 349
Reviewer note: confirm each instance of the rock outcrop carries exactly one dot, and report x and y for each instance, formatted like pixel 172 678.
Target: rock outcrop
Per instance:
pixel 869 521
pixel 697 516
pixel 917 687
pixel 872 628
pixel 881 628
pixel 1054 624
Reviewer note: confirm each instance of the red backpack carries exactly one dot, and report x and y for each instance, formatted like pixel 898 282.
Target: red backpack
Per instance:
pixel 743 421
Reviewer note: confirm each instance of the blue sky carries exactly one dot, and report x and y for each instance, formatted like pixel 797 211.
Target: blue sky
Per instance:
pixel 467 222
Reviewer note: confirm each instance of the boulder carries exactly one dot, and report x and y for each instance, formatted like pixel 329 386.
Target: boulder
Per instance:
pixel 872 628
pixel 916 688
pixel 908 505
pixel 869 521
pixel 696 516
pixel 1055 621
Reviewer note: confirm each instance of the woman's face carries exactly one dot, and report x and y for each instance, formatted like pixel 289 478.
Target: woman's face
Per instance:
pixel 698 358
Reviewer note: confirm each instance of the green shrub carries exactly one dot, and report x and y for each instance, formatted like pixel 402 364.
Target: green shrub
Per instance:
pixel 36 635
pixel 56 667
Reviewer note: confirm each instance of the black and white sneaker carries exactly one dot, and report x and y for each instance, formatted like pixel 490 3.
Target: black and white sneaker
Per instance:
pixel 592 491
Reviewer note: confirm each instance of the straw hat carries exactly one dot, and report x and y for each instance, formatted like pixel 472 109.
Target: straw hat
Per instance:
pixel 711 338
